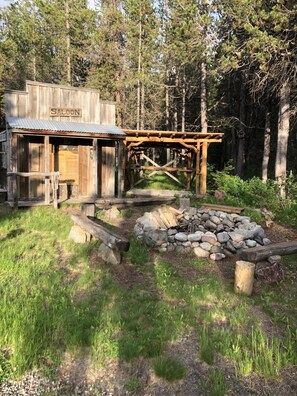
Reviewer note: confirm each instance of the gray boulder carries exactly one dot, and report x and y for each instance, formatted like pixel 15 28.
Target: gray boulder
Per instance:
pixel 201 253
pixel 110 256
pixel 155 237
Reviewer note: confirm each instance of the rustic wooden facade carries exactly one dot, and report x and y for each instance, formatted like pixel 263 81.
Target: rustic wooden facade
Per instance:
pixel 53 128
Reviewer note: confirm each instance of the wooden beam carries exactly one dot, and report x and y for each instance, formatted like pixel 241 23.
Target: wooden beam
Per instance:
pixel 28 174
pixel 120 169
pixel 155 171
pixel 132 132
pixel 157 165
pixel 263 252
pixel 189 170
pixel 224 208
pixel 156 139
pixel 46 169
pixel 102 231
pixel 162 169
pixel 197 178
pixel 203 177
pixel 95 168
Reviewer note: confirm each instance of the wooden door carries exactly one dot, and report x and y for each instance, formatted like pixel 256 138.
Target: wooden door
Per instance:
pixel 36 164
pixel 85 171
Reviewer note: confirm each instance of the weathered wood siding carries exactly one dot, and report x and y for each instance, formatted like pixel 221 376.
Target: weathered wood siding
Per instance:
pixel 16 103
pixel 107 111
pixel 107 157
pixel 39 98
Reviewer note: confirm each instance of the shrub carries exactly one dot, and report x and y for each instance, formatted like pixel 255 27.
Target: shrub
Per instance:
pixel 252 192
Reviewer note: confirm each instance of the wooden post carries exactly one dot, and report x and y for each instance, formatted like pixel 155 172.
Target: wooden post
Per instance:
pixel 188 175
pixel 203 177
pixel 11 164
pixel 55 182
pixel 95 168
pixel 197 178
pixel 46 169
pixel 120 168
pixel 124 164
pixel 132 179
pixel 244 277
pixel 15 192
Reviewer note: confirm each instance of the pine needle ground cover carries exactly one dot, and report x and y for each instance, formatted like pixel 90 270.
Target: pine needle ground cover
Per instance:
pixel 174 320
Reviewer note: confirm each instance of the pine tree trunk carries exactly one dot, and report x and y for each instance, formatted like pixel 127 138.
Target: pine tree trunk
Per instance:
pixel 203 98
pixel 142 103
pixel 68 58
pixel 167 101
pixel 282 139
pixel 241 133
pixel 167 114
pixel 266 150
pixel 138 80
pixel 175 117
pixel 184 104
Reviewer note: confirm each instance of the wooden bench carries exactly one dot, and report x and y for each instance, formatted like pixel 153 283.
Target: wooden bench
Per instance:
pixel 263 252
pixel 109 235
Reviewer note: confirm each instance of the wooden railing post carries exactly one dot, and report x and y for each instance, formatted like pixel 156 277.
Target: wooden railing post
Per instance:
pixel 15 192
pixel 55 181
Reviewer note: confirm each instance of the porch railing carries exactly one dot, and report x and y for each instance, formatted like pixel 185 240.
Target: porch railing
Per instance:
pixel 48 176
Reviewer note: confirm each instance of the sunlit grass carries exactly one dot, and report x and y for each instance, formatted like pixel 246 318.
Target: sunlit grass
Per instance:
pixel 54 300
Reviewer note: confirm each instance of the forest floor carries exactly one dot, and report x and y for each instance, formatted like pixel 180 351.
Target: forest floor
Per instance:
pixel 175 306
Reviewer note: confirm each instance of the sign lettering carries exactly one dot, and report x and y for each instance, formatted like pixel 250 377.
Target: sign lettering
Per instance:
pixel 65 112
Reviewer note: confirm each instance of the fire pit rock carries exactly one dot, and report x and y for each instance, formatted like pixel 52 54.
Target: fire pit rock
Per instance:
pixel 208 233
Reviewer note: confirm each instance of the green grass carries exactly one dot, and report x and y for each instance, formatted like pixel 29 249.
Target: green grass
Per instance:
pixel 160 182
pixel 215 384
pixel 169 368
pixel 138 253
pixel 55 300
pixel 133 385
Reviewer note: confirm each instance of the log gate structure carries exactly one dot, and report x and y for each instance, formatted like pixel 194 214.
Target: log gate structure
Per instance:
pixel 193 146
pixel 62 143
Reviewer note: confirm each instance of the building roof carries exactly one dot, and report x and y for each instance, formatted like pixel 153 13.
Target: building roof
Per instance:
pixel 62 126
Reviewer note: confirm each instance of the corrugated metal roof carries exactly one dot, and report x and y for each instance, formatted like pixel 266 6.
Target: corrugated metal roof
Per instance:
pixel 62 126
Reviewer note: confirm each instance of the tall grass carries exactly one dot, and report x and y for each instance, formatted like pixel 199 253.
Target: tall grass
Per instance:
pixel 54 300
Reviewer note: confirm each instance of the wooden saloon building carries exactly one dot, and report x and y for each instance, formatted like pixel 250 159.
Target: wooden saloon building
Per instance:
pixel 60 141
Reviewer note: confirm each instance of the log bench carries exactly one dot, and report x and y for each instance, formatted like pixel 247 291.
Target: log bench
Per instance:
pixel 263 252
pixel 244 272
pixel 114 243
pixel 102 231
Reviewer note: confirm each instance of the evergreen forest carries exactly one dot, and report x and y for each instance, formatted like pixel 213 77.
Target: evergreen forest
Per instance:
pixel 182 65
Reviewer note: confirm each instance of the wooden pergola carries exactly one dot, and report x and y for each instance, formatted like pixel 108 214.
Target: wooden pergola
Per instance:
pixel 192 145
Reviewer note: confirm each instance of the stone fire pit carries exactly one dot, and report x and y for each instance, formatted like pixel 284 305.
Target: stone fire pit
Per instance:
pixel 209 233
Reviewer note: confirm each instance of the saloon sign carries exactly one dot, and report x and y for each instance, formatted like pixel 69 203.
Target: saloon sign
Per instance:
pixel 64 112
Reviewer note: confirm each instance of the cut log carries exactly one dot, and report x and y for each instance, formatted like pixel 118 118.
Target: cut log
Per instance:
pixel 263 252
pixel 224 208
pixel 102 231
pixel 244 277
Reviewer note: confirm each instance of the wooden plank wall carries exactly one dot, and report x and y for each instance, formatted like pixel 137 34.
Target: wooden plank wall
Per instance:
pixel 40 97
pixel 16 104
pixel 107 111
pixel 107 156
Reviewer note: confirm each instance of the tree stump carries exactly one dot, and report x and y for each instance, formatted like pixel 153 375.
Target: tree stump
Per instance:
pixel 244 277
